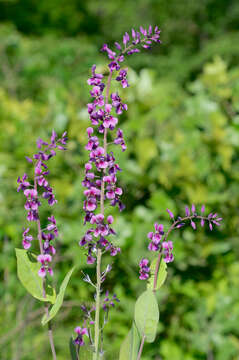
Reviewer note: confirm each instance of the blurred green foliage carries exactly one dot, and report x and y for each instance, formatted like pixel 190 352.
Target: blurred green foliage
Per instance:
pixel 182 132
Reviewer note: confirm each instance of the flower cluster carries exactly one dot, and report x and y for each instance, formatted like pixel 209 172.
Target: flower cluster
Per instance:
pixel 159 240
pixel 40 189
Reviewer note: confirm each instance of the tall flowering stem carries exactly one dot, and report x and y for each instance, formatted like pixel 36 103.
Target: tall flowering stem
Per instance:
pixel 101 169
pixel 34 193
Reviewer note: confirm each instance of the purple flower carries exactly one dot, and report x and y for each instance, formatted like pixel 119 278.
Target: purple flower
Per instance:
pixel 167 251
pixel 117 103
pixel 187 211
pixel 27 239
pixel 170 214
pixel 23 184
pixel 119 140
pixel 126 38
pixel 144 269
pixel 44 260
pixel 193 225
pixel 155 237
pixel 80 333
pixel 123 78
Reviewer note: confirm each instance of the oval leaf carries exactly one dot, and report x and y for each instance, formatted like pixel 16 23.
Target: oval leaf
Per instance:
pixel 59 299
pixel 162 274
pixel 130 346
pixel 146 315
pixel 27 271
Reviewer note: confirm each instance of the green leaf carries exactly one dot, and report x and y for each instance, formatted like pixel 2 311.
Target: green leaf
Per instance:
pixel 27 271
pixel 146 315
pixel 73 351
pixel 59 299
pixel 162 274
pixel 130 346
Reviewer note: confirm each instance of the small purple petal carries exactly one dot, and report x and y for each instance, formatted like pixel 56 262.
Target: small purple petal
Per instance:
pixel 170 214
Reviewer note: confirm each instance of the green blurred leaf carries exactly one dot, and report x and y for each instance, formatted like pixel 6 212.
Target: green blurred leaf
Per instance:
pixel 130 346
pixel 27 270
pixel 73 351
pixel 59 299
pixel 146 315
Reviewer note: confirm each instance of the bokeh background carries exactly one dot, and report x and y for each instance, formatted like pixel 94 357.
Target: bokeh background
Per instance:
pixel 182 131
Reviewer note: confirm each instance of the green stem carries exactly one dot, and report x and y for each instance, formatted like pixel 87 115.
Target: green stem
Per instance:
pixel 156 272
pixel 97 305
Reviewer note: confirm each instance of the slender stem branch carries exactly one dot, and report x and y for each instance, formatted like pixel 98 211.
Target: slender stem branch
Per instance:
pixel 172 227
pixel 156 272
pixel 50 333
pixel 97 306
pixel 141 348
pixel 99 252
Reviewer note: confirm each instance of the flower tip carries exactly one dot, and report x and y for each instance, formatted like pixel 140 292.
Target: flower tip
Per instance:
pixel 170 214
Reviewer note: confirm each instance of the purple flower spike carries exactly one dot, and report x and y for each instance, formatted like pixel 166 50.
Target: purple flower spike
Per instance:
pixel 34 193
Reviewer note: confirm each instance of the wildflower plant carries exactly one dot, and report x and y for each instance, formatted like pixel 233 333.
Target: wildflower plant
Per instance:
pixel 102 192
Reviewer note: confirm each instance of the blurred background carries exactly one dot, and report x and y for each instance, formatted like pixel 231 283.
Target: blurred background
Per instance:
pixel 182 132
